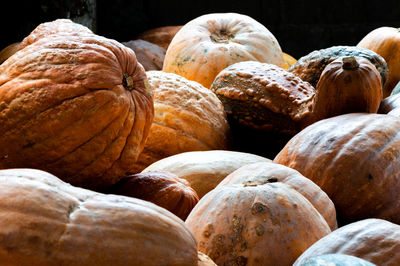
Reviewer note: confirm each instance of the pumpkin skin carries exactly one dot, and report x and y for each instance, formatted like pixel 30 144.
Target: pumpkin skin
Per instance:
pixel 347 85
pixel 354 159
pixel 374 240
pixel 385 41
pixel 149 55
pixel 204 169
pixel 270 224
pixel 208 44
pixel 164 189
pixel 76 105
pixel 267 172
pixel 389 103
pixel 187 117
pixel 310 67
pixel 8 51
pixel 161 36
pixel 336 259
pixel 205 260
pixel 289 60
pixel 45 221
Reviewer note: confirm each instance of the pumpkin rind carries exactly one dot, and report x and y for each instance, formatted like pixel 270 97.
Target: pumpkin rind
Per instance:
pixel 44 221
pixel 289 60
pixel 161 36
pixel 336 259
pixel 373 240
pixel 149 55
pixel 354 158
pixel 310 67
pixel 389 103
pixel 267 172
pixel 8 51
pixel 271 224
pixel 76 105
pixel 208 44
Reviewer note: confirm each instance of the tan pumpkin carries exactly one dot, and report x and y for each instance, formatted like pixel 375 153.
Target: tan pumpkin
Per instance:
pixel 161 36
pixel 187 117
pixel 164 189
pixel 374 240
pixel 208 44
pixel 74 104
pixel 270 224
pixel 8 51
pixel 385 41
pixel 149 55
pixel 355 159
pixel 204 169
pixel 268 172
pixel 44 221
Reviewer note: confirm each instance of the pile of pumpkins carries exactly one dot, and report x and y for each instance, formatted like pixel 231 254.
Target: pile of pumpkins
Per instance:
pixel 201 144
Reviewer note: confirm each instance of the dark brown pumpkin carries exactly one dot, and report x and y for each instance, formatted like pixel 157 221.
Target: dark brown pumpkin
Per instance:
pixel 355 159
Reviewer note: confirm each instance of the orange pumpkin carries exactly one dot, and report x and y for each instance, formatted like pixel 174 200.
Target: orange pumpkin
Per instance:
pixel 210 43
pixel 74 104
pixel 8 51
pixel 289 60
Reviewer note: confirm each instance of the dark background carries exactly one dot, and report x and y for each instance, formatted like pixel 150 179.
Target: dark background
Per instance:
pixel 300 26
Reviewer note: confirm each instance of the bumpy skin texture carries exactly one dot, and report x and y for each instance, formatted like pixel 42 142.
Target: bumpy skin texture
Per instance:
pixel 264 97
pixel 161 36
pixel 164 189
pixel 268 172
pixel 149 55
pixel 270 224
pixel 374 240
pixel 44 221
pixel 210 43
pixel 385 41
pixel 354 158
pixel 347 85
pixel 74 104
pixel 204 169
pixel 187 117
pixel 310 67
pixel 335 259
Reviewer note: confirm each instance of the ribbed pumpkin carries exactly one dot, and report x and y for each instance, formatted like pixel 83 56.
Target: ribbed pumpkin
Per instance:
pixel 208 44
pixel 389 103
pixel 374 240
pixel 335 259
pixel 8 51
pixel 385 42
pixel 149 55
pixel 161 36
pixel 187 117
pixel 355 159
pixel 261 173
pixel 204 169
pixel 269 224
pixel 74 104
pixel 165 189
pixel 44 221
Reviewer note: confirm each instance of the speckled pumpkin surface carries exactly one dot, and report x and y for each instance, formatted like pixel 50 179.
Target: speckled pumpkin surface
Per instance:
pixel 374 240
pixel 187 117
pixel 355 159
pixel 44 221
pixel 269 224
pixel 310 67
pixel 74 104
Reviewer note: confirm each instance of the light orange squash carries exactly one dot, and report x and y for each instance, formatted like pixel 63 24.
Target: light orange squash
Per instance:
pixel 208 44
pixel 289 60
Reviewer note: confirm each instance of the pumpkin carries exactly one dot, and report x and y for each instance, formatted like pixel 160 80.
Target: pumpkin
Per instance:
pixel 354 158
pixel 347 85
pixel 45 221
pixel 8 51
pixel 384 41
pixel 187 117
pixel 151 56
pixel 389 103
pixel 164 189
pixel 204 169
pixel 204 260
pixel 374 240
pixel 74 104
pixel 208 44
pixel 270 224
pixel 267 172
pixel 161 36
pixel 335 259
pixel 310 66
pixel 289 60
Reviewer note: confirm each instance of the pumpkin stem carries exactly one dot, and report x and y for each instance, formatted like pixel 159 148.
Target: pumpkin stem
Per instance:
pixel 127 82
pixel 349 62
pixel 221 36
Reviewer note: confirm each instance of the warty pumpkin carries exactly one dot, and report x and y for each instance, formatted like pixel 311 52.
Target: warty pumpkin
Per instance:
pixel 204 169
pixel 270 224
pixel 385 41
pixel 208 44
pixel 355 159
pixel 374 240
pixel 74 104
pixel 45 221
